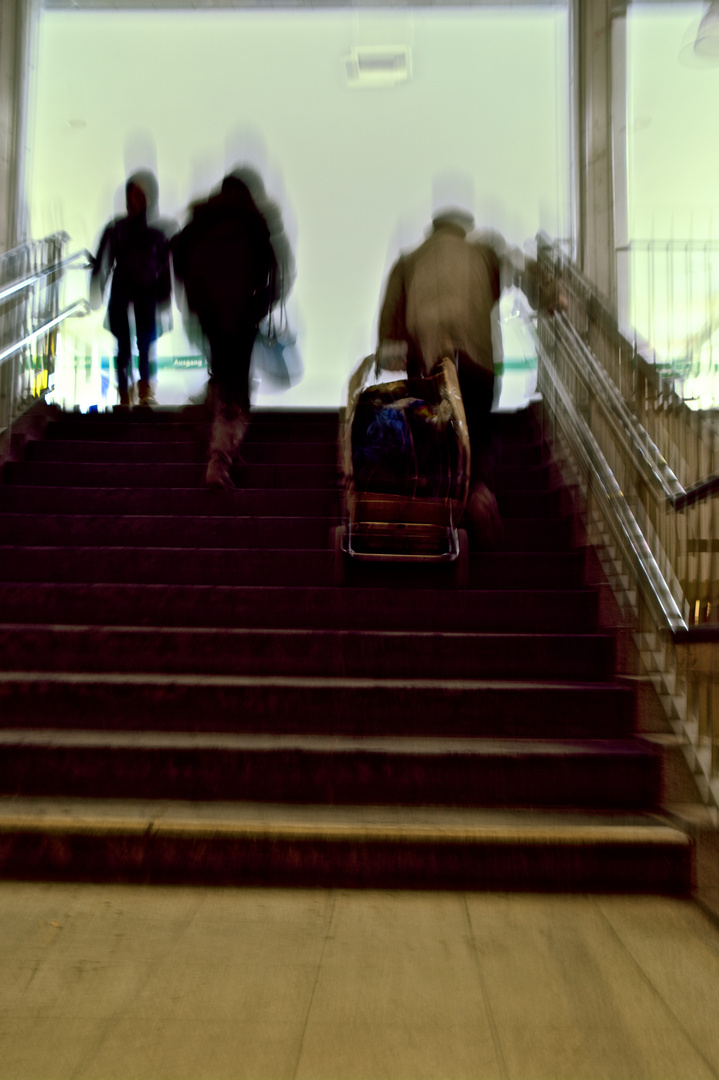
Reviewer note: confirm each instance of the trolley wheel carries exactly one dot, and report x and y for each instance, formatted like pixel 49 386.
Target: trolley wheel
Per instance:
pixel 340 564
pixel 461 563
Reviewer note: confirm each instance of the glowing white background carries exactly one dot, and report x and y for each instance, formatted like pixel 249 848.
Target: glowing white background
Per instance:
pixel 673 171
pixel 357 172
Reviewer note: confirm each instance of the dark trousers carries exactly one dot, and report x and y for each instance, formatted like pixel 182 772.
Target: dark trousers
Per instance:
pixel 146 331
pixel 477 386
pixel 230 357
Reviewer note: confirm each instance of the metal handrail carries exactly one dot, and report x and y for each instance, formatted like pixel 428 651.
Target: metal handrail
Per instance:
pixel 605 405
pixel 669 245
pixel 644 454
pixel 647 456
pixel 627 531
pixel 31 283
pixel 59 267
pixel 76 308
pixel 696 492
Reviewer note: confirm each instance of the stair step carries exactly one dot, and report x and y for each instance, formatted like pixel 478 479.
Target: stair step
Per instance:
pixel 187 502
pixel 188 566
pixel 173 530
pixel 149 475
pixel 295 419
pixel 535 611
pixel 328 846
pixel 533 534
pixel 487 570
pixel 621 774
pixel 520 426
pixel 228 566
pixel 147 530
pixel 359 653
pixel 259 431
pixel 199 500
pixel 177 660
pixel 522 455
pixel 283 705
pixel 530 504
pixel 152 474
pixel 178 453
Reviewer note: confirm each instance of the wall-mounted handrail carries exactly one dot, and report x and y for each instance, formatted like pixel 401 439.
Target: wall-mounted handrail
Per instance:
pixel 637 458
pixel 32 280
pixel 621 520
pixel 57 268
pixel 647 455
pixel 703 489
pixel 589 454
pixel 79 307
pixel 648 458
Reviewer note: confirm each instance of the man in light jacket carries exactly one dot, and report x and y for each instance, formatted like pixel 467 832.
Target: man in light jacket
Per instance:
pixel 442 300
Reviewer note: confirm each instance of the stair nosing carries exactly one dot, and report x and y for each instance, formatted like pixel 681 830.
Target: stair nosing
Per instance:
pixel 409 745
pixel 275 822
pixel 307 682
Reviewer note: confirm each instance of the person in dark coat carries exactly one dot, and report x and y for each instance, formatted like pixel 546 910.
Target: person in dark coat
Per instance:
pixel 137 255
pixel 225 259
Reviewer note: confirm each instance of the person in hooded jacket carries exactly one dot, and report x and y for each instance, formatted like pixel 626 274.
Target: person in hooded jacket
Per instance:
pixel 234 266
pixel 135 251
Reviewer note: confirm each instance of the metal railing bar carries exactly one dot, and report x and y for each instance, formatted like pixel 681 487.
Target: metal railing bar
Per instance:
pixel 628 534
pixel 19 286
pixel 678 497
pixel 64 264
pixel 646 453
pixel 697 492
pixel 669 245
pixel 74 309
pixel 697 633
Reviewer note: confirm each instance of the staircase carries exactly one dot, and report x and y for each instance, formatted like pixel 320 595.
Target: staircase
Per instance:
pixel 186 696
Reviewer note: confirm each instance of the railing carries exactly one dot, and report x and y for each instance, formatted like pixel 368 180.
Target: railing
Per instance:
pixel 645 466
pixel 673 295
pixel 31 298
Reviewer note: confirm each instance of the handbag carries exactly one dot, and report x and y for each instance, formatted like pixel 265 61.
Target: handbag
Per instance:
pixel 276 361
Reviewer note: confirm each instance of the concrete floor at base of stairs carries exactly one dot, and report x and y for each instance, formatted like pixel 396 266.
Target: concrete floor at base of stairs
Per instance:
pixel 105 981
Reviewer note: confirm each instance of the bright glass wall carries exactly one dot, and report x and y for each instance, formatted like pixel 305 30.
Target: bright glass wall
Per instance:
pixel 481 119
pixel 673 195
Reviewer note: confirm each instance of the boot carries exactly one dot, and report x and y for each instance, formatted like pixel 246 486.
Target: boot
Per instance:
pixel 218 473
pixel 144 393
pixel 228 430
pixel 483 518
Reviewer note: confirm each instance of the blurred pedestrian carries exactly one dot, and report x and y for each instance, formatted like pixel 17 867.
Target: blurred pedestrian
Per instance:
pixel 136 254
pixel 234 262
pixel 441 300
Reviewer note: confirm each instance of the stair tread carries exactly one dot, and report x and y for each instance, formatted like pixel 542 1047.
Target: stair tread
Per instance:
pixel 429 823
pixel 303 651
pixel 299 633
pixel 308 681
pixel 334 744
pixel 343 711
pixel 80 549
pixel 265 530
pixel 190 451
pixel 300 606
